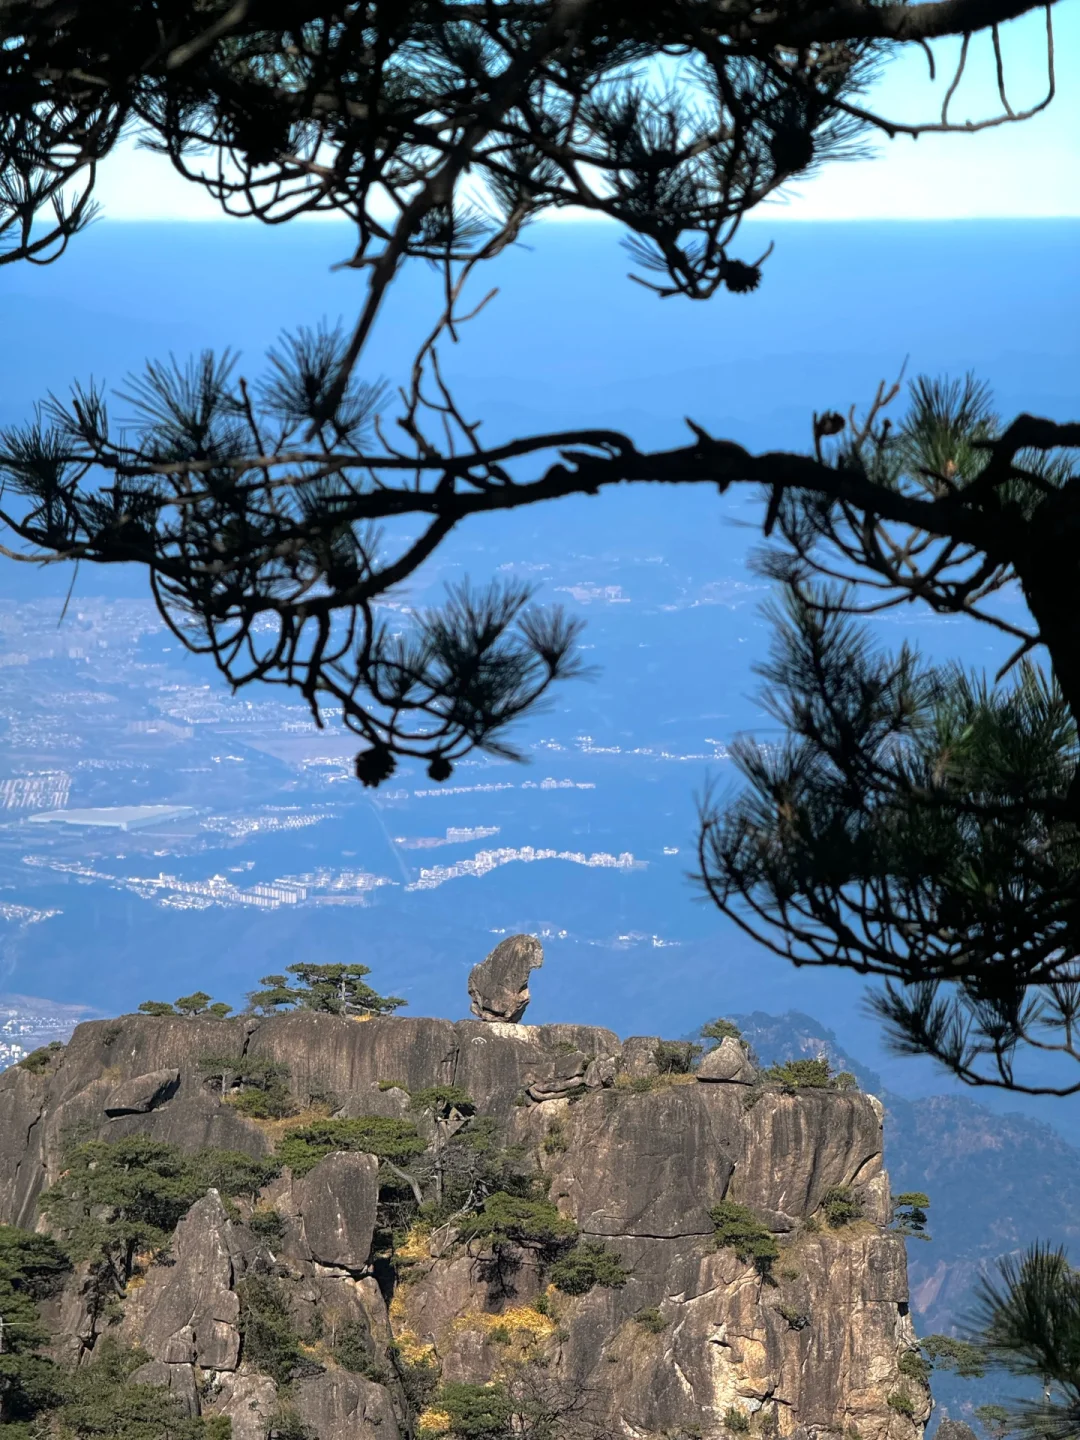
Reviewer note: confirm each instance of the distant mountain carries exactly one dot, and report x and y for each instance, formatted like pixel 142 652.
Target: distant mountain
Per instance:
pixel 794 1035
pixel 997 1182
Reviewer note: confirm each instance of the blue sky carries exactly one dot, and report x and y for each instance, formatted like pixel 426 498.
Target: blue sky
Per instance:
pixel 1015 170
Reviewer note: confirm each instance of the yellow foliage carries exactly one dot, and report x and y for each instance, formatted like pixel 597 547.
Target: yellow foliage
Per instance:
pixel 433 1422
pixel 318 1350
pixel 397 1307
pixel 140 1263
pixel 275 1129
pixel 526 1325
pixel 414 1351
pixel 415 1244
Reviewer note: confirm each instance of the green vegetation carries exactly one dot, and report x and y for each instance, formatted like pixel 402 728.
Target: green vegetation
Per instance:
pixel 586 1264
pixel 504 1219
pixel 198 1003
pixel 477 1412
pixel 258 1088
pixel 390 1138
pixel 796 1319
pixel 914 1366
pixel 119 1199
pixel 929 821
pixel 793 1075
pixel 555 1141
pixel 676 1057
pixel 995 1420
pixel 41 1061
pixel 909 1217
pixel 271 1340
pixel 273 1103
pixel 475 1161
pixel 30 1264
pixel 286 1424
pixel 105 1403
pixel 97 1401
pixel 32 1267
pixel 737 1228
pixel 945 1352
pixel 1028 1323
pixel 353 1350
pixel 442 1101
pixel 737 1421
pixel 449 1108
pixel 267 1225
pixel 841 1206
pixel 720 1030
pixel 650 1319
pixel 902 1401
pixel 226 1071
pixel 233 1172
pixel 419 1378
pixel 329 989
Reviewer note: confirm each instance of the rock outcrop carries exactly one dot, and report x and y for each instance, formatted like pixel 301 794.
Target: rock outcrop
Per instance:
pixel 337 1203
pixel 728 1063
pixel 188 1312
pixel 635 1159
pixel 499 985
pixel 143 1093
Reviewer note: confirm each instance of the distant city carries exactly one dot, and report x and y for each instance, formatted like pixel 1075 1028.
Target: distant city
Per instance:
pixel 128 770
pixel 26 1023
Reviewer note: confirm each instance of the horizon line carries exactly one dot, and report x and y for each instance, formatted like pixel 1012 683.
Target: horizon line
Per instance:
pixel 597 222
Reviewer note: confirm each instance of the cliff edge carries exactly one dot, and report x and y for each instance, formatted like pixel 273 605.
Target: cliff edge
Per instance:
pixel 452 1211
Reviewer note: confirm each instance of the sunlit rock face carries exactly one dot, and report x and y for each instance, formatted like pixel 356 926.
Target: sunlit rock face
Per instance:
pixel 636 1159
pixel 499 985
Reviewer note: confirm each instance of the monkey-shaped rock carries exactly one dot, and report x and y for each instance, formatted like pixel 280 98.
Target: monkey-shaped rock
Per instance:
pixel 499 985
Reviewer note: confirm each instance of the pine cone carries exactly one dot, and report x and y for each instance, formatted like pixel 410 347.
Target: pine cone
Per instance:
pixel 828 424
pixel 374 766
pixel 741 278
pixel 440 768
pixel 791 150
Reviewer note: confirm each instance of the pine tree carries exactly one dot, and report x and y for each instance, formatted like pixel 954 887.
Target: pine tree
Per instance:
pixel 920 824
pixel 32 1267
pixel 334 989
pixel 278 995
pixel 256 504
pixel 116 1200
pixel 1028 1323
pixel 196 1004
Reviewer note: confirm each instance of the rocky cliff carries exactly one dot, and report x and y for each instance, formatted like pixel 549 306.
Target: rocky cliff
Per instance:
pixel 539 1212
